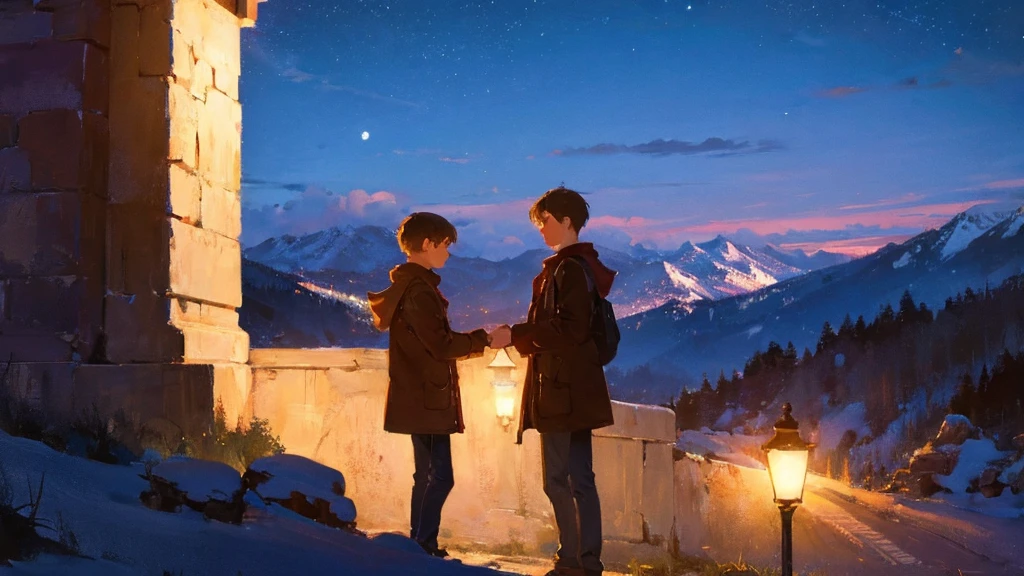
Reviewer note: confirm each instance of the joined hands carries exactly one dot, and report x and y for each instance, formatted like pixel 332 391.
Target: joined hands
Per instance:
pixel 500 337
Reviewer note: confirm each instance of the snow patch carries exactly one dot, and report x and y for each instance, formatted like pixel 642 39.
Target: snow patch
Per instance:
pixel 974 455
pixel 200 480
pixel 903 261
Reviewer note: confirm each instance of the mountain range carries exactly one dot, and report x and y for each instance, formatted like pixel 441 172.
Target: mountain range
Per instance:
pixel 702 308
pixel 352 261
pixel 683 339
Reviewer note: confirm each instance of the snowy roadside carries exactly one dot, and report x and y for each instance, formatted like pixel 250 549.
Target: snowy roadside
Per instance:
pixel 100 504
pixel 992 527
pixel 997 538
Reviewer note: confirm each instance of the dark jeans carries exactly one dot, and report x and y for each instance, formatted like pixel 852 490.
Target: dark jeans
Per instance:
pixel 431 483
pixel 568 463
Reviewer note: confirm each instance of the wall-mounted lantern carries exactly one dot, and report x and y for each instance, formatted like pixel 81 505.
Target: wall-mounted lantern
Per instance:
pixel 504 387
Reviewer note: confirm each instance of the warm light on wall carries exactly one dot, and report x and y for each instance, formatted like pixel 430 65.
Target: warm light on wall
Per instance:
pixel 504 388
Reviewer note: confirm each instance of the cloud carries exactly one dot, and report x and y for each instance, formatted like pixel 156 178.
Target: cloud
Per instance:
pixel 661 147
pixel 905 199
pixel 842 91
pixel 450 160
pixel 317 208
pixel 1004 184
pixel 291 186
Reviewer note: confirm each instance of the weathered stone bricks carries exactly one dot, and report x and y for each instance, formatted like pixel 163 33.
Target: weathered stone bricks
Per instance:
pixel 202 79
pixel 221 211
pixel 139 141
pixel 53 139
pixel 155 39
pixel 185 194
pixel 137 330
pixel 81 20
pixel 25 26
pixel 194 254
pixel 8 130
pixel 124 42
pixel 220 141
pixel 182 60
pixel 137 250
pixel 50 234
pixel 15 170
pixel 184 112
pixel 41 76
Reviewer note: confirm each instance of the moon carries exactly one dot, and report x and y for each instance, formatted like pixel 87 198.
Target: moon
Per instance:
pixel 366 135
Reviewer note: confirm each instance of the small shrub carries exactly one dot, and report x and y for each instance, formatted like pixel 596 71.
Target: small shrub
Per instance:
pixel 118 439
pixel 238 447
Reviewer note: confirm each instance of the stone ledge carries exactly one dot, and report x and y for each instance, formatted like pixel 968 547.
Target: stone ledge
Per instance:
pixel 322 358
pixel 639 421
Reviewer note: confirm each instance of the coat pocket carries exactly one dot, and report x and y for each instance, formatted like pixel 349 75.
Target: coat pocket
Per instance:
pixel 555 390
pixel 437 389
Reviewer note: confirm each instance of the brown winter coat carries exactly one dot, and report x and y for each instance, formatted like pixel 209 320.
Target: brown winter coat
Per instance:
pixel 565 387
pixel 423 388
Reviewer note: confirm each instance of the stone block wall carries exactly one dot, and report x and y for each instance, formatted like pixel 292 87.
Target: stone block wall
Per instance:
pixel 120 145
pixel 54 128
pixel 329 405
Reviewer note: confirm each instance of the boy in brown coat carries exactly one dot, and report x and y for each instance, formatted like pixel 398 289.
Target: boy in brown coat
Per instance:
pixel 423 391
pixel 566 395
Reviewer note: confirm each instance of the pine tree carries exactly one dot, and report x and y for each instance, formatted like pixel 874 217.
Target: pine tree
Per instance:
pixel 828 336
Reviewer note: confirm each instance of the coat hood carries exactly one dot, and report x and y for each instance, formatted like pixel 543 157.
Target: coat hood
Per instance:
pixel 385 303
pixel 604 277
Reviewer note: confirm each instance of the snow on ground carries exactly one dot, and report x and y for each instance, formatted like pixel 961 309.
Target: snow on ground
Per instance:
pixel 974 455
pixel 201 480
pixel 723 446
pixel 834 425
pixel 100 504
pixel 289 473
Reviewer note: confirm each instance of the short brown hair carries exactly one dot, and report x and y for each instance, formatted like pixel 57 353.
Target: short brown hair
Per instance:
pixel 561 202
pixel 420 226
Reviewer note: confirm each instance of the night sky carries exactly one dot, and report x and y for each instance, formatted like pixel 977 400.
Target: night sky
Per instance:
pixel 827 124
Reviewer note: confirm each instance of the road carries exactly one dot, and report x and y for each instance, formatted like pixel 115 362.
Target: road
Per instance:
pixel 834 536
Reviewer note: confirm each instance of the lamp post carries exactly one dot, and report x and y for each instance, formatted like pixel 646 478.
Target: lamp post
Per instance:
pixel 787 455
pixel 504 387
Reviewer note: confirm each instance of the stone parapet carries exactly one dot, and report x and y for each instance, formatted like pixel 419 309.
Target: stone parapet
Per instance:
pixel 328 404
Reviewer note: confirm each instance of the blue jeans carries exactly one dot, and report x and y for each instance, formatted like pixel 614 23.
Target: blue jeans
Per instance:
pixel 568 463
pixel 432 481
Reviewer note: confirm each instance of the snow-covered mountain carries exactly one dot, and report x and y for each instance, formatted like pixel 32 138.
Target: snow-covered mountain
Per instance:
pixel 482 292
pixel 978 246
pixel 343 249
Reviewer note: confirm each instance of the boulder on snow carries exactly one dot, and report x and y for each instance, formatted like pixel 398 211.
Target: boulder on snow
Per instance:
pixel 932 463
pixel 1018 442
pixel 988 483
pixel 303 486
pixel 955 430
pixel 926 486
pixel 899 480
pixel 213 488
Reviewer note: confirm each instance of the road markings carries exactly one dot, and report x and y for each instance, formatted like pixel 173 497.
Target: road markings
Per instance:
pixel 860 534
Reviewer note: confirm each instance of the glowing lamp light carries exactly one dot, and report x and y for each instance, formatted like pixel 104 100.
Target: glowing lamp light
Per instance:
pixel 504 387
pixel 787 456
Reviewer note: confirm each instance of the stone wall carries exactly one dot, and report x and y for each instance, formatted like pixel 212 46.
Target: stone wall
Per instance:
pixel 329 405
pixel 120 140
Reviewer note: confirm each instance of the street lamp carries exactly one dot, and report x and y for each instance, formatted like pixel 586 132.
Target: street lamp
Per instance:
pixel 787 467
pixel 504 387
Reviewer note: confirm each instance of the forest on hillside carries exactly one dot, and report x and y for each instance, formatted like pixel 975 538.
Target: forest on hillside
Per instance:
pixel 909 366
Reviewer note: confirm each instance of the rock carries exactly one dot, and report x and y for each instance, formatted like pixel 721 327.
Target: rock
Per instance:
pixel 955 429
pixel 303 486
pixel 212 488
pixel 932 463
pixel 1018 442
pixel 898 482
pixel 926 487
pixel 1017 486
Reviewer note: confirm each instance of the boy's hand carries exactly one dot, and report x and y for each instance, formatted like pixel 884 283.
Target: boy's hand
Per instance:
pixel 500 337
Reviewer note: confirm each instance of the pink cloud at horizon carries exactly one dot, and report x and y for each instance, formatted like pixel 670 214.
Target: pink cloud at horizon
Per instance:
pixel 855 247
pixel 924 217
